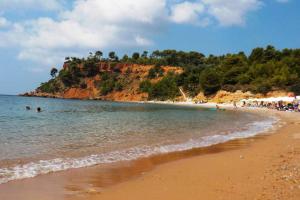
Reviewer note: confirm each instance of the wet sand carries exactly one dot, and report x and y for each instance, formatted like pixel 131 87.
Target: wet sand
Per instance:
pixel 262 167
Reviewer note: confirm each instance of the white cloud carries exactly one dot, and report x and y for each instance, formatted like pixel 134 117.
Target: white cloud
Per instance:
pixel 225 12
pixel 141 41
pixel 3 22
pixel 186 12
pixel 30 4
pixel 231 12
pixel 91 24
pixel 111 24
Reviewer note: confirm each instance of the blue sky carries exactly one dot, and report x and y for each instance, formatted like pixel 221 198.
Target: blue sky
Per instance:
pixel 36 35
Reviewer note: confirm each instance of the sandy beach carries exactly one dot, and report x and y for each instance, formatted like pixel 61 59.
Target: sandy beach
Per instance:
pixel 262 167
pixel 265 168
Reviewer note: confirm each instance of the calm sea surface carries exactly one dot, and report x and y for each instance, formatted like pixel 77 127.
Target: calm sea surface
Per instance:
pixel 72 133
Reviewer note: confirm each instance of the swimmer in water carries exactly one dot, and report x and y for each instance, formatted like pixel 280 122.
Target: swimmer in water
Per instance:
pixel 38 109
pixel 218 108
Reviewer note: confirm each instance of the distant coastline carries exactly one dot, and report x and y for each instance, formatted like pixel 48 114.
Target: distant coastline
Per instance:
pixel 177 76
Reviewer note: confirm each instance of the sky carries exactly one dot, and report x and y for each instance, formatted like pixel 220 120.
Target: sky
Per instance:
pixel 36 35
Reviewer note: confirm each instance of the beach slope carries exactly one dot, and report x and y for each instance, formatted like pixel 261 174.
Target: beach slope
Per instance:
pixel 263 168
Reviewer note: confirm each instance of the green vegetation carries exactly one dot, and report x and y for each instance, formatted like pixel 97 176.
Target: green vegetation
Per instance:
pixel 145 86
pixel 51 86
pixel 155 72
pixel 107 83
pixel 119 86
pixel 53 72
pixel 210 81
pixel 165 89
pixel 264 70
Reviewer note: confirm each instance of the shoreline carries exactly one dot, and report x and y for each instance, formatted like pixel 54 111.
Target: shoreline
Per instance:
pixel 55 165
pixel 264 169
pixel 133 174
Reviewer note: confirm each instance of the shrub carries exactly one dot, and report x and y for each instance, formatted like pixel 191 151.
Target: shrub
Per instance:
pixel 152 73
pixel 107 87
pixel 262 87
pixel 68 79
pixel 230 88
pixel 210 81
pixel 155 72
pixel 145 86
pixel 119 86
pixel 49 87
pixel 165 89
pixel 90 68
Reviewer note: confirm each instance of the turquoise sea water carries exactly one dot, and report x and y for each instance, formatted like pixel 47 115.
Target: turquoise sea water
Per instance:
pixel 73 133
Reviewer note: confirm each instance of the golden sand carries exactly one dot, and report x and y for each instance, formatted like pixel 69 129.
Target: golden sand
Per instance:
pixel 263 167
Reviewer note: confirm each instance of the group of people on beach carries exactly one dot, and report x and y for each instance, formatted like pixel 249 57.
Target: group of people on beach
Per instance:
pixel 280 105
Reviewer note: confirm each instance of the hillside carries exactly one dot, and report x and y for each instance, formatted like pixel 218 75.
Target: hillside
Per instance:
pixel 118 82
pixel 159 76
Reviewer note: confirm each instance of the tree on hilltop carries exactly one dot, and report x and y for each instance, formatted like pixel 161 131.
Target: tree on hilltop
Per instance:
pixel 112 55
pixel 53 72
pixel 135 55
pixel 98 54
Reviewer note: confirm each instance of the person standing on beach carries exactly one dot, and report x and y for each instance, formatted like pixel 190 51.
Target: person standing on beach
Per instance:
pixel 234 105
pixel 244 104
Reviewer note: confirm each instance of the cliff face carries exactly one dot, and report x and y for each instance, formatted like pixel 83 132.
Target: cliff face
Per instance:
pixel 121 82
pixel 131 75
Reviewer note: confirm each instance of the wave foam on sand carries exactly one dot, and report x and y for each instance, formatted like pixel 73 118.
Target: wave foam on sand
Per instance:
pixel 33 169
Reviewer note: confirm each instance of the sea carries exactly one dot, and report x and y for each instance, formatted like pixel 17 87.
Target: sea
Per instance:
pixel 69 134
